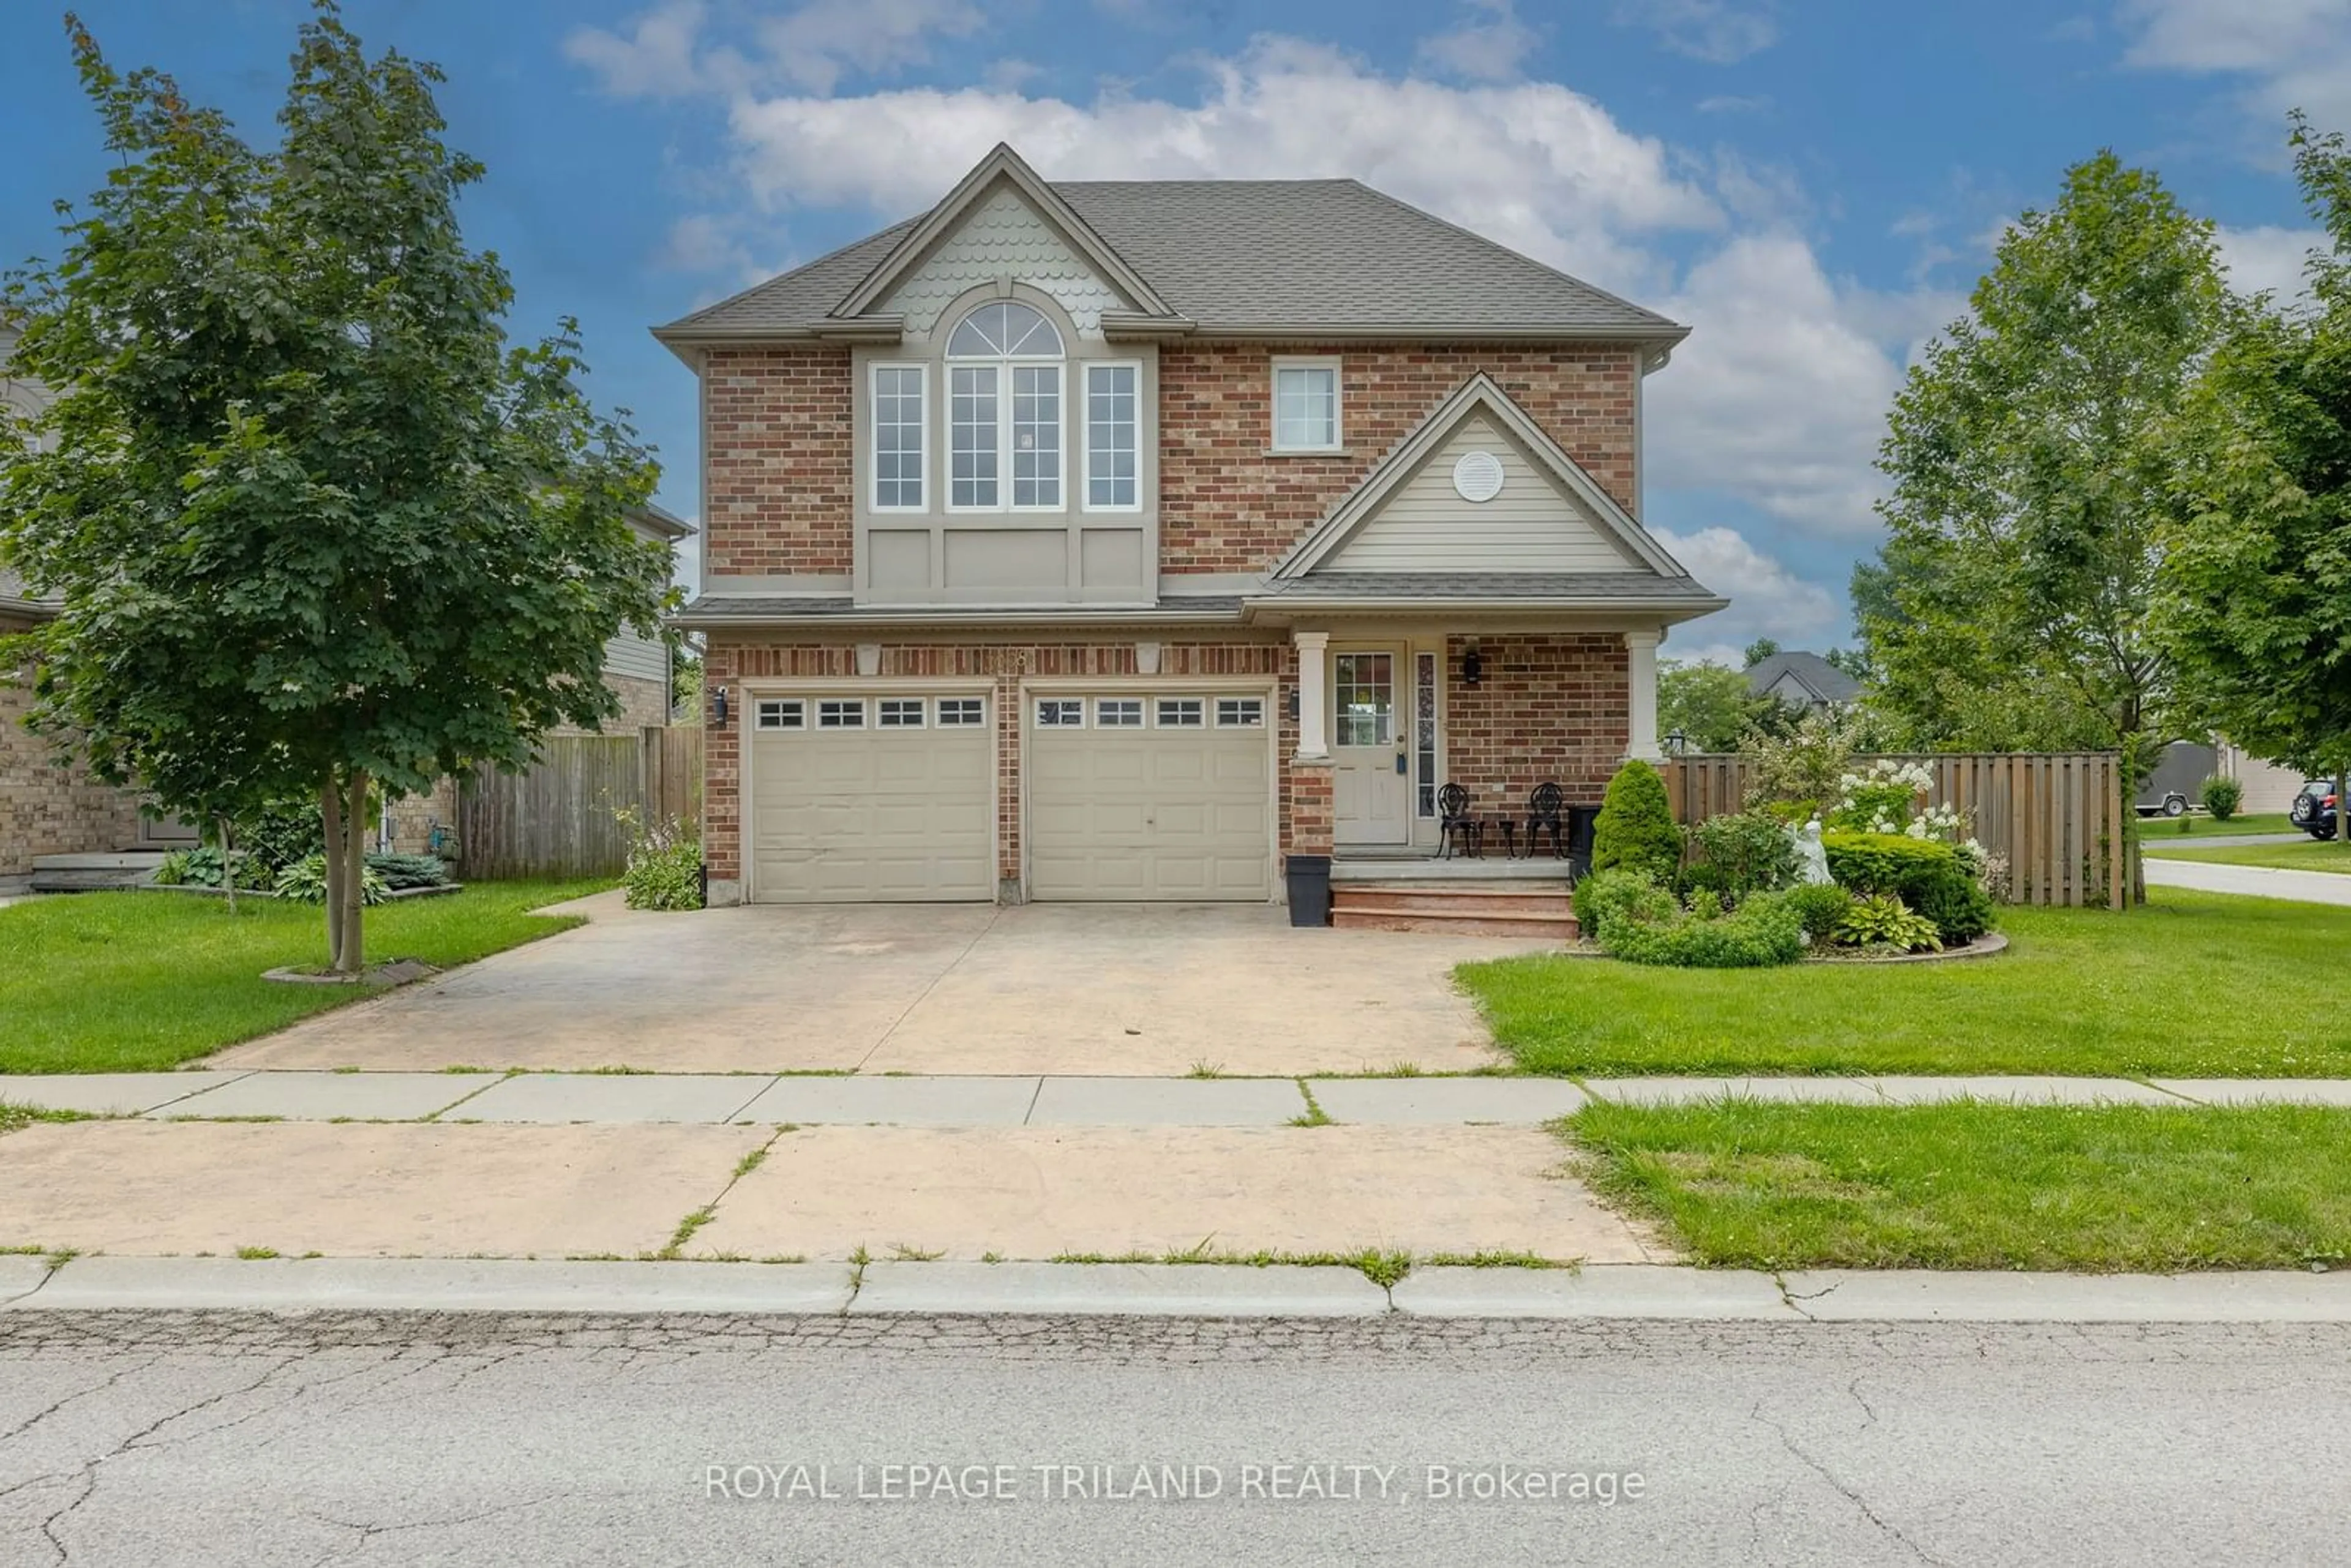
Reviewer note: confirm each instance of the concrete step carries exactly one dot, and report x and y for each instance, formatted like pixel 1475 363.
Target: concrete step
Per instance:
pixel 1539 927
pixel 1487 898
pixel 120 860
pixel 89 880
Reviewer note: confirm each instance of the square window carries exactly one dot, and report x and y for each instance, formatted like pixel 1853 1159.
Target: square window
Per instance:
pixel 840 712
pixel 1240 713
pixel 961 712
pixel 1181 713
pixel 1060 713
pixel 1118 712
pixel 901 712
pixel 1305 407
pixel 781 714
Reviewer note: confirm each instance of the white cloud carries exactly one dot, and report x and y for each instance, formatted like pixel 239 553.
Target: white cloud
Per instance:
pixel 668 54
pixel 2269 258
pixel 1732 103
pixel 658 59
pixel 1490 45
pixel 1715 31
pixel 2296 53
pixel 1767 599
pixel 816 44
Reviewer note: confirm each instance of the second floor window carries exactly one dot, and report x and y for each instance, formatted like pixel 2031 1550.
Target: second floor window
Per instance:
pixel 898 438
pixel 1111 426
pixel 1004 409
pixel 1306 405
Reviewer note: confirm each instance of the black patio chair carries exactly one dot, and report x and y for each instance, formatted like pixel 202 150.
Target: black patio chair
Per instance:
pixel 1543 809
pixel 1456 828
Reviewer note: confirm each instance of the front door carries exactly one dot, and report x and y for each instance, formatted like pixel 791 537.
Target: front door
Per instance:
pixel 1371 782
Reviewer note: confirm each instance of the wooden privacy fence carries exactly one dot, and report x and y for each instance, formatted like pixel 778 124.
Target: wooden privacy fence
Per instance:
pixel 2055 817
pixel 557 818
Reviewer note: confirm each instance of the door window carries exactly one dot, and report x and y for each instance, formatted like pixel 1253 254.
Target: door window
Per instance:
pixel 1365 687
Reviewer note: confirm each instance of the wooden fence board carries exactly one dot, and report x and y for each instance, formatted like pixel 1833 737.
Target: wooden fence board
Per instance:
pixel 558 817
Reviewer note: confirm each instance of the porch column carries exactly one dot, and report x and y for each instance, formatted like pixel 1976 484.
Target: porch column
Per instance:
pixel 1641 694
pixel 1315 696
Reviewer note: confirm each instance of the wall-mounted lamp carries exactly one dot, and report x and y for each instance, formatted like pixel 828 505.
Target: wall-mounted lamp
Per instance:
pixel 1293 702
pixel 1473 666
pixel 1676 742
pixel 718 708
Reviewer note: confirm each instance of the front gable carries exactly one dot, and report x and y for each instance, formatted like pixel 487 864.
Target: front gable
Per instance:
pixel 1002 235
pixel 1478 487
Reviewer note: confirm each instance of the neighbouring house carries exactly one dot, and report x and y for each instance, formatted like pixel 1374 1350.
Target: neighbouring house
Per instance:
pixel 1138 539
pixel 1801 680
pixel 50 811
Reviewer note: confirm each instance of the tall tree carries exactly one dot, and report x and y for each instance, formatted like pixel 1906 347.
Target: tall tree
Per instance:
pixel 2257 579
pixel 2028 460
pixel 1710 704
pixel 315 524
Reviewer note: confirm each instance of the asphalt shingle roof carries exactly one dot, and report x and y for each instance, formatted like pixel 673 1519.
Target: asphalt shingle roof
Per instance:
pixel 731 607
pixel 1815 674
pixel 1256 255
pixel 1630 586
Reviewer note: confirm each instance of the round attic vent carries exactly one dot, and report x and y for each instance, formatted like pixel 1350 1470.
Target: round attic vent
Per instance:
pixel 1478 477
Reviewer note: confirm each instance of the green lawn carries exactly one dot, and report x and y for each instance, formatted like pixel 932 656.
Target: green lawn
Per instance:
pixel 1973 1184
pixel 2305 855
pixel 2194 984
pixel 2154 830
pixel 122 982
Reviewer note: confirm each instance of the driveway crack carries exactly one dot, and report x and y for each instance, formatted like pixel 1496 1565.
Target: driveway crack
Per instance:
pixel 895 1024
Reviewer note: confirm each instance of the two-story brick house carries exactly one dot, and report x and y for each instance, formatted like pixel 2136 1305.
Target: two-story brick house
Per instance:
pixel 1130 541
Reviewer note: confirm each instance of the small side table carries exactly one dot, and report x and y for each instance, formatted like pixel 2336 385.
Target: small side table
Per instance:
pixel 1508 827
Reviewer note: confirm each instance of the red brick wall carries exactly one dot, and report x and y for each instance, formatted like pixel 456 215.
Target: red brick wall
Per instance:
pixel 1008 663
pixel 779 480
pixel 1546 708
pixel 1226 506
pixel 1311 812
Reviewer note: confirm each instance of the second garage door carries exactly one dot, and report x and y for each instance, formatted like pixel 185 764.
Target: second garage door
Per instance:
pixel 1150 797
pixel 872 797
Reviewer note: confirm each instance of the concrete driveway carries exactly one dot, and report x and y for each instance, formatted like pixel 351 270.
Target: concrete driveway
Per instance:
pixel 1145 989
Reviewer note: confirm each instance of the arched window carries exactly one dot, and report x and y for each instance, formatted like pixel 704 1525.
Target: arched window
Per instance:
pixel 1004 408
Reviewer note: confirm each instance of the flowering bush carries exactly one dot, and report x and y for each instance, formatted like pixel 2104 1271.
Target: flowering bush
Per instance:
pixel 1882 797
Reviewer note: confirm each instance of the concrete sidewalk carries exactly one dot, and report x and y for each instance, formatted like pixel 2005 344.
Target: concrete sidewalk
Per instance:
pixel 1614 1291
pixel 2256 881
pixel 1031 1100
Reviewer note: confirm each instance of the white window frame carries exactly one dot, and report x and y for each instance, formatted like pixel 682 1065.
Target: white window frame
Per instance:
pixel 1085 422
pixel 873 433
pixel 1003 367
pixel 912 713
pixel 1078 722
pixel 1330 362
pixel 978 709
pixel 1198 707
pixel 1142 713
pixel 789 712
pixel 1235 721
pixel 843 705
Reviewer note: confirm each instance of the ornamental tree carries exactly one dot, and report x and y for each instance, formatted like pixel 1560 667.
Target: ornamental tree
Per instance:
pixel 2257 577
pixel 314 523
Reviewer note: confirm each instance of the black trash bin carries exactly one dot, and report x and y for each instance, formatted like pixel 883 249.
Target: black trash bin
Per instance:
pixel 1580 820
pixel 1310 889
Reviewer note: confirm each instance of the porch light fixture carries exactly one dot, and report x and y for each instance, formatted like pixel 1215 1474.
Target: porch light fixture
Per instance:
pixel 1676 742
pixel 1473 666
pixel 718 708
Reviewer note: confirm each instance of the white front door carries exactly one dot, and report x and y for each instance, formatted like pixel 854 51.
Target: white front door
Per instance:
pixel 1371 784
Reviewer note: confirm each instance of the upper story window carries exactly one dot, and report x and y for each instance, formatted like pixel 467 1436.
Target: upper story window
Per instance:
pixel 1114 420
pixel 898 443
pixel 1306 405
pixel 1004 410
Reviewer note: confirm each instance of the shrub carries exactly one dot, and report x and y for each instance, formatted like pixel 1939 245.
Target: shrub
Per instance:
pixel 2223 796
pixel 1749 852
pixel 304 881
pixel 1761 933
pixel 1930 877
pixel 664 866
pixel 1636 828
pixel 1882 920
pixel 401 871
pixel 1802 767
pixel 1881 798
pixel 1612 894
pixel 1819 907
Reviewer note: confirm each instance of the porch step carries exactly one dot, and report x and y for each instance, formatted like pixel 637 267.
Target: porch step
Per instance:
pixel 1467 909
pixel 94 872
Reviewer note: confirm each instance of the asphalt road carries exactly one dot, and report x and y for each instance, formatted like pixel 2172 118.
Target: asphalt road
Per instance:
pixel 161 1439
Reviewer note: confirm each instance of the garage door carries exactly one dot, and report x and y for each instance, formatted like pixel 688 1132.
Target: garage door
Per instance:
pixel 1149 797
pixel 872 797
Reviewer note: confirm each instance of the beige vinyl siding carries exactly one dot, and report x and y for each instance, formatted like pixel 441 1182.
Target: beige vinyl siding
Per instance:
pixel 1532 526
pixel 636 657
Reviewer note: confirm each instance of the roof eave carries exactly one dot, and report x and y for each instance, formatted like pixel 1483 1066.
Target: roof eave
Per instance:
pixel 1678 609
pixel 1667 333
pixel 1061 615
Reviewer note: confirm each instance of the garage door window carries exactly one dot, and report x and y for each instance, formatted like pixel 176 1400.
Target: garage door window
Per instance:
pixel 1240 713
pixel 961 712
pixel 1118 712
pixel 1181 713
pixel 1061 713
pixel 901 712
pixel 840 712
pixel 781 714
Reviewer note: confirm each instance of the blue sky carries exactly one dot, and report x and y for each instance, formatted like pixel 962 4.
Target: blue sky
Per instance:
pixel 1811 185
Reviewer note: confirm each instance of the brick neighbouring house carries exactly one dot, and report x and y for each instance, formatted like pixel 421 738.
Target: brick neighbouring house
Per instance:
pixel 1138 539
pixel 51 806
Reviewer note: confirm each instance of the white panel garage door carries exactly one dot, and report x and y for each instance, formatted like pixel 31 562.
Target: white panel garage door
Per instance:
pixel 872 797
pixel 1150 797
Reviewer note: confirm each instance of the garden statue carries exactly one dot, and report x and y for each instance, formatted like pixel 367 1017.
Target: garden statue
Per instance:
pixel 1812 861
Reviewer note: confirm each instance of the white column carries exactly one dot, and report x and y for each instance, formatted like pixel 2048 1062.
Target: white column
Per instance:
pixel 1315 696
pixel 1641 694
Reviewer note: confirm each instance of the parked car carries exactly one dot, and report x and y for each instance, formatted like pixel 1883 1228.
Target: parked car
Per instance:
pixel 2313 809
pixel 2181 768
